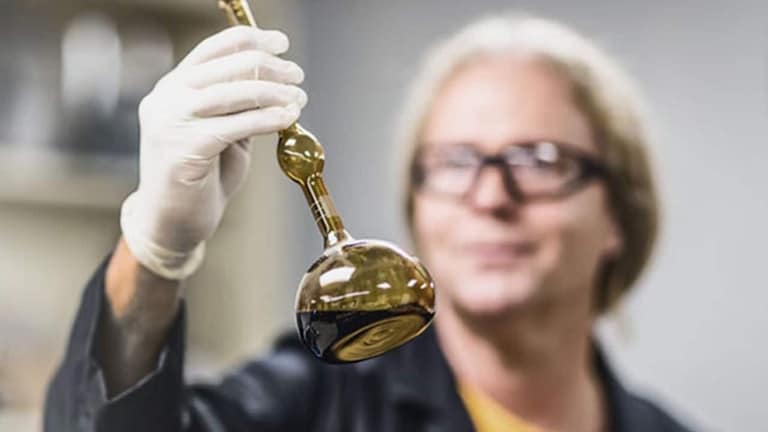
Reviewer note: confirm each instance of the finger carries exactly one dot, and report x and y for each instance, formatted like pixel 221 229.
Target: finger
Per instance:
pixel 244 65
pixel 235 39
pixel 230 129
pixel 238 96
pixel 234 162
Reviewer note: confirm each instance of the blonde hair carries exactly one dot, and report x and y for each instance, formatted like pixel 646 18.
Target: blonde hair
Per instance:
pixel 601 90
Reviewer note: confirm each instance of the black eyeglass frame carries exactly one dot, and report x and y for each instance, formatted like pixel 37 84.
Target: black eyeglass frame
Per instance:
pixel 589 168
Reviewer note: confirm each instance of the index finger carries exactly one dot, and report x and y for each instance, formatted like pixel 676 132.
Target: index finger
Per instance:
pixel 235 39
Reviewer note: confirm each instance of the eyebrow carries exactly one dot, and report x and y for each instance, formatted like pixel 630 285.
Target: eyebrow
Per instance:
pixel 437 145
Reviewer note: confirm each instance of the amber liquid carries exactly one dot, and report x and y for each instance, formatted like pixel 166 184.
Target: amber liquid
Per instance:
pixel 350 336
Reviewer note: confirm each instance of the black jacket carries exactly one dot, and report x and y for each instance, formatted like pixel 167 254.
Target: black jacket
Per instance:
pixel 409 389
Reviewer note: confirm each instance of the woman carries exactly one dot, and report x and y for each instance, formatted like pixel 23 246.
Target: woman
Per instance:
pixel 529 197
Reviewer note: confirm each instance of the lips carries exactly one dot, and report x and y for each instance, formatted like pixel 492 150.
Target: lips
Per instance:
pixel 498 254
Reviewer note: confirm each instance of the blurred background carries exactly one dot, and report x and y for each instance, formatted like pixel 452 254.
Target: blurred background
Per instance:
pixel 71 76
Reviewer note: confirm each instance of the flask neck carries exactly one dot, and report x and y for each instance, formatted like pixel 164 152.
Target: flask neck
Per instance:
pixel 324 211
pixel 238 12
pixel 336 237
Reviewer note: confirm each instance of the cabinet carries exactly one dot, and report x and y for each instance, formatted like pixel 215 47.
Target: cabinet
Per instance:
pixel 73 74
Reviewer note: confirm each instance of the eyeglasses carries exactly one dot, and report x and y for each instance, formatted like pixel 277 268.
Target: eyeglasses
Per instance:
pixel 531 171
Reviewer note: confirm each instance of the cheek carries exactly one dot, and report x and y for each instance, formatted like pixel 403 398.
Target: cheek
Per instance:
pixel 431 226
pixel 434 230
pixel 574 232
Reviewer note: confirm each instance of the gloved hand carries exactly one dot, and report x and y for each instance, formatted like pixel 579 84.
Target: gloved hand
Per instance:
pixel 196 126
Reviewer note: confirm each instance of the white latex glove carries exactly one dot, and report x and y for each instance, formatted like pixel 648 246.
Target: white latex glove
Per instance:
pixel 195 130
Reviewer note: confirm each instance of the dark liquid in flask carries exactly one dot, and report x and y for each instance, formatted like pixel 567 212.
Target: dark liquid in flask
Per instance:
pixel 350 336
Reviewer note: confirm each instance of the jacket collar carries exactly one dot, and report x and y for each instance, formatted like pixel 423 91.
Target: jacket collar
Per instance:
pixel 422 381
pixel 623 414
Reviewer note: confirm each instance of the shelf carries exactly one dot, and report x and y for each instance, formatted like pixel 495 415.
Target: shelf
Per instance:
pixel 48 178
pixel 195 7
pixel 202 7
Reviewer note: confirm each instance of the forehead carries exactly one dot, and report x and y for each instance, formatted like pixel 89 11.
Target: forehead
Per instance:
pixel 493 102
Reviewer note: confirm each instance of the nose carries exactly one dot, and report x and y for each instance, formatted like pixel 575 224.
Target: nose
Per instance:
pixel 492 191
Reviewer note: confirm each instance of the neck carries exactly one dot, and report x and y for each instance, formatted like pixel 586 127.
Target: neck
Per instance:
pixel 535 361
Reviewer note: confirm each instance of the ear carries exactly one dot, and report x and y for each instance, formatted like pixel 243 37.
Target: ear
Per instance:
pixel 614 240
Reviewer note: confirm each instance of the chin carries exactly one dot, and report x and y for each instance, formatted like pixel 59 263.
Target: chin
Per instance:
pixel 492 296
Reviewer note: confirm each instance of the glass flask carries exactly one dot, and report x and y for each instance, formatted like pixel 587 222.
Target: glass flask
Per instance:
pixel 360 298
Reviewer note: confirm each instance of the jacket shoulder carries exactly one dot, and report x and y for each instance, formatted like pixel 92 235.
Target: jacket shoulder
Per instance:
pixel 651 416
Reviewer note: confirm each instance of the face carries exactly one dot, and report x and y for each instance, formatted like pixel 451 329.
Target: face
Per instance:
pixel 491 253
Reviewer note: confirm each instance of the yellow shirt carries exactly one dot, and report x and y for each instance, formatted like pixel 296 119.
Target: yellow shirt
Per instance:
pixel 488 415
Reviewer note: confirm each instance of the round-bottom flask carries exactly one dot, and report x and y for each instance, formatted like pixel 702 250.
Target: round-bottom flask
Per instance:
pixel 362 298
